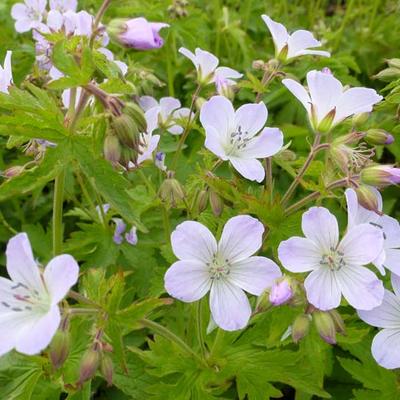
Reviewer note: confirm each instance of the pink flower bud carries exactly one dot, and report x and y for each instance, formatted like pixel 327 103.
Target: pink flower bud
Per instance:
pixel 107 369
pixel 89 365
pixel 380 175
pixel 281 292
pixel 325 326
pixel 378 137
pixel 59 348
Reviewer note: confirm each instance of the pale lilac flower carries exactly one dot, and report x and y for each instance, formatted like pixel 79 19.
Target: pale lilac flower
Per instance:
pixel 337 266
pixel 63 5
pixel 233 135
pixel 208 71
pixel 226 268
pixel 55 21
pixel 294 45
pixel 328 102
pixel 131 236
pixel 281 292
pixel 120 228
pixel 167 112
pixel 159 161
pixel 388 226
pixel 29 312
pixel 140 34
pixel 6 77
pixel 386 344
pixel 28 15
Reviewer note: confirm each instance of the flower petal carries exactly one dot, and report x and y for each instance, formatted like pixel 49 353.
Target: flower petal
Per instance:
pixel 299 92
pixel 21 265
pixel 36 337
pixel 167 106
pixel 227 73
pixel 251 169
pixel 188 54
pixel 255 274
pixel 214 142
pixel 387 315
pixel 323 290
pixel 360 287
pixel 207 63
pixel 266 144
pixel 218 112
pixel 279 33
pixel 391 230
pixel 60 275
pixel 299 254
pixel 313 53
pixel 395 279
pixel 354 101
pixel 386 348
pixel 361 245
pixel 147 102
pixel 187 280
pixel 320 226
pixel 241 238
pixel 19 11
pixel 251 118
pixel 301 40
pixel 193 241
pixel 392 260
pixel 229 306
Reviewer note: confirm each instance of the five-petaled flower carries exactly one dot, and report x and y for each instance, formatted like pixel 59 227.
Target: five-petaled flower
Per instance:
pixel 390 228
pixel 28 15
pixel 29 312
pixel 337 267
pixel 294 45
pixel 233 135
pixel 386 344
pixel 226 268
pixel 327 102
pixel 208 71
pixel 6 73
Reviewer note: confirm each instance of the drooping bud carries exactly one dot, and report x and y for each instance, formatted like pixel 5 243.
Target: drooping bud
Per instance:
pixel 378 137
pixel 107 368
pixel 171 191
pixel 131 236
pixel 360 119
pixel 325 326
pixel 388 74
pixel 13 171
pixel 338 321
pixel 380 175
pixel 281 292
pixel 202 201
pixel 367 197
pixel 112 148
pixel 89 365
pixel 136 113
pixel 300 327
pixel 127 131
pixel 60 345
pixel 217 204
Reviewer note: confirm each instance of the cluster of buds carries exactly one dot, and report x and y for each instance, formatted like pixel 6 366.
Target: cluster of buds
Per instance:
pixel 178 9
pixel 123 139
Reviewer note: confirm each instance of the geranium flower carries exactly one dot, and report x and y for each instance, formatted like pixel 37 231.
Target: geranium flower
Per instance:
pixel 63 5
pixel 120 233
pixel 28 15
pixel 29 312
pixel 328 102
pixel 294 45
pixel 233 135
pixel 386 344
pixel 167 112
pixel 337 266
pixel 208 71
pixel 6 73
pixel 388 226
pixel 226 268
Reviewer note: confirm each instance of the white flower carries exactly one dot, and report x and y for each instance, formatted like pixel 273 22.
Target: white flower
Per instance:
pixel 6 73
pixel 63 5
pixel 233 135
pixel 29 312
pixel 328 102
pixel 336 266
pixel 293 45
pixel 386 344
pixel 28 15
pixel 388 226
pixel 208 71
pixel 226 269
pixel 167 112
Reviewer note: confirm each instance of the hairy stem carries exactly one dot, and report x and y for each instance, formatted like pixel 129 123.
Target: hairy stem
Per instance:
pixel 58 213
pixel 199 326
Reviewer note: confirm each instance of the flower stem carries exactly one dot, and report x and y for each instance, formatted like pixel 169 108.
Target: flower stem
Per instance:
pixel 81 298
pixel 266 80
pixel 217 342
pixel 314 150
pixel 187 128
pixel 161 330
pixel 167 226
pixel 100 13
pixel 58 212
pixel 199 326
pixel 268 176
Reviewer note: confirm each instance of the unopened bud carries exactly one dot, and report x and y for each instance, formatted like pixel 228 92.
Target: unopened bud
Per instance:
pixel 217 204
pixel 127 131
pixel 388 74
pixel 13 171
pixel 171 192
pixel 202 201
pixel 59 348
pixel 367 197
pixel 107 369
pixel 281 292
pixel 263 302
pixel 360 119
pixel 300 327
pixel 380 175
pixel 325 326
pixel 89 365
pixel 378 137
pixel 338 321
pixel 258 64
pixel 394 63
pixel 136 113
pixel 112 148
pixel 128 157
pixel 287 155
pixel 273 64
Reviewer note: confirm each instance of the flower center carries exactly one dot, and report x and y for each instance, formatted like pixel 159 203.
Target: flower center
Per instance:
pixel 219 268
pixel 238 141
pixel 334 260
